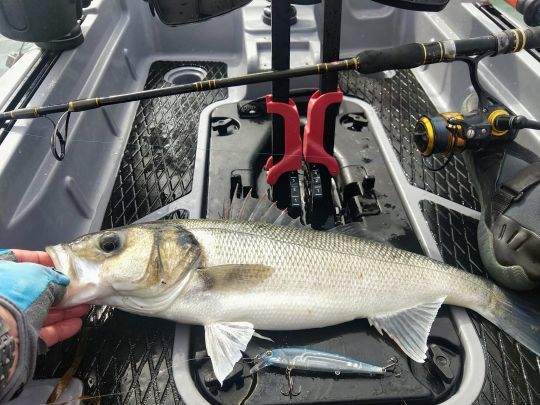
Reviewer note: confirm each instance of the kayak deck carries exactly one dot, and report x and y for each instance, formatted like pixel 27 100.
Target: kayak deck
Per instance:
pixel 111 152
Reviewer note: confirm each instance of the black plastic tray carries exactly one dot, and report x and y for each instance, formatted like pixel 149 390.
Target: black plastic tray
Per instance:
pixel 238 157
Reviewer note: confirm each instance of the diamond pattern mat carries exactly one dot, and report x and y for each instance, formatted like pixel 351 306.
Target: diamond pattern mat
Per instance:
pixel 129 357
pixel 400 101
pixel 159 158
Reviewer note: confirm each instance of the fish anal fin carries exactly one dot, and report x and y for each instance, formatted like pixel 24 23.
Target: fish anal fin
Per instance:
pixel 259 336
pixel 234 276
pixel 225 342
pixel 410 327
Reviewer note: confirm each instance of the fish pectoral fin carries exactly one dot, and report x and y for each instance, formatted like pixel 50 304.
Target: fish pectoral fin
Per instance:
pixel 225 342
pixel 410 327
pixel 234 277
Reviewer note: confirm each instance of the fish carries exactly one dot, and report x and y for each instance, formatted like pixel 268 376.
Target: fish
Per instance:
pixel 301 358
pixel 235 276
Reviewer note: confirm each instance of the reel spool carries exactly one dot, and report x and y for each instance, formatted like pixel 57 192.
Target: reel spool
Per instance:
pixel 452 132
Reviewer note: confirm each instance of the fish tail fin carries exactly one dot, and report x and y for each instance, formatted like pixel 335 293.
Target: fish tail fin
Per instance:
pixel 516 315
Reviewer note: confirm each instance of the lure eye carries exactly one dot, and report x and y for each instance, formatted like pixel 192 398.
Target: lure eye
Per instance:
pixel 110 242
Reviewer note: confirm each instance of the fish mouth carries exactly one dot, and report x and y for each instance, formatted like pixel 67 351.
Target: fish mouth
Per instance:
pixel 62 262
pixel 60 259
pixel 82 289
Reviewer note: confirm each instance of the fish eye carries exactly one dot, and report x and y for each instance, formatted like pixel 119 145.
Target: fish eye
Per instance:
pixel 269 353
pixel 109 242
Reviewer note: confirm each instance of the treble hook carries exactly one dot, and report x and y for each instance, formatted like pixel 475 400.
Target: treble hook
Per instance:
pixel 392 367
pixel 290 392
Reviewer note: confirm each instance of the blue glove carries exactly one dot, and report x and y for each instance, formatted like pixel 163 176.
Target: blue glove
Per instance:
pixel 27 291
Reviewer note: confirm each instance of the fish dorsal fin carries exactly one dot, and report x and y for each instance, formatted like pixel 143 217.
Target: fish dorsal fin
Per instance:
pixel 410 327
pixel 258 210
pixel 284 218
pixel 225 342
pixel 248 205
pixel 355 229
pixel 236 207
pixel 271 214
pixel 296 223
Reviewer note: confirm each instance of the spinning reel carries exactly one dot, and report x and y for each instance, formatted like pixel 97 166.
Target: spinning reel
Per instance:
pixel 452 132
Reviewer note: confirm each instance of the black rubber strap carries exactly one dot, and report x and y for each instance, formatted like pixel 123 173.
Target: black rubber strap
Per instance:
pixel 513 189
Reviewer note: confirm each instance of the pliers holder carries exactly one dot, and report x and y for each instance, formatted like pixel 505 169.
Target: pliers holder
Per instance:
pixel 313 150
pixel 292 155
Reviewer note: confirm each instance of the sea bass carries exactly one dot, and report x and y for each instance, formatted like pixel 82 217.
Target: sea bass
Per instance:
pixel 234 277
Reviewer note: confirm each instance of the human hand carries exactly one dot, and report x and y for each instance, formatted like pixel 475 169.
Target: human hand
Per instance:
pixel 61 323
pixel 28 289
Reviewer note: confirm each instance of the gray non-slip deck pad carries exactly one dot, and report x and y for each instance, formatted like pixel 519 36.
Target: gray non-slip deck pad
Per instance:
pixel 159 159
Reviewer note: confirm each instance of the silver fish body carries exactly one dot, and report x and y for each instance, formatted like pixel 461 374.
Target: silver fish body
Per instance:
pixel 234 277
pixel 314 279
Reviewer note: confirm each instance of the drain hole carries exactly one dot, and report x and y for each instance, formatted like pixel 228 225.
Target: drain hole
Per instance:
pixel 185 75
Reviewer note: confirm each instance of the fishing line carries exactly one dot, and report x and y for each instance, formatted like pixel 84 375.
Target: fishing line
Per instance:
pixel 151 146
pixel 168 368
pixel 168 153
pixel 88 398
pixel 446 161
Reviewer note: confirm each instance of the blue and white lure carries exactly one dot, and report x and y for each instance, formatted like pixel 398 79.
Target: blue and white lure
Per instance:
pixel 317 361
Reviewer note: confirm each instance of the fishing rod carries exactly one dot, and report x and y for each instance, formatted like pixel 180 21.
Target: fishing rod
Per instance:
pixel 366 62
